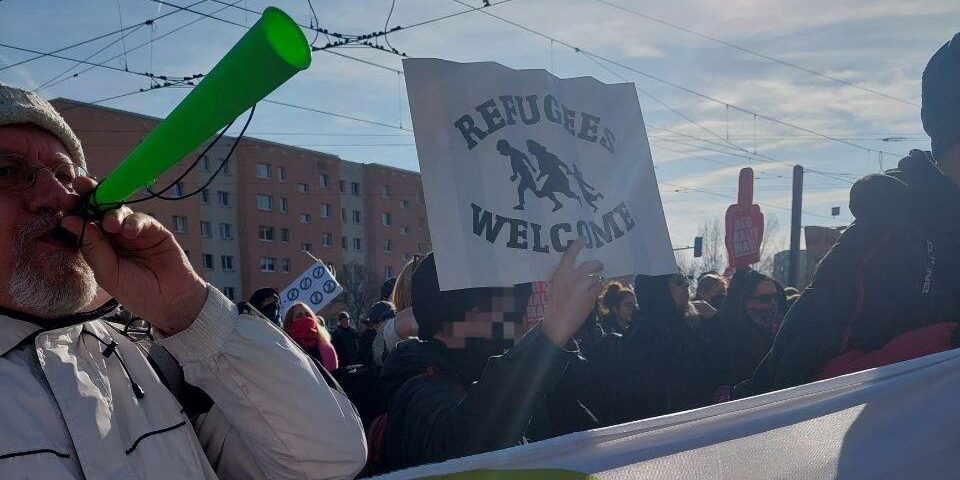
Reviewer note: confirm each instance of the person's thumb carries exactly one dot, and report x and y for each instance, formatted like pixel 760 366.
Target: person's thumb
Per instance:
pixel 94 246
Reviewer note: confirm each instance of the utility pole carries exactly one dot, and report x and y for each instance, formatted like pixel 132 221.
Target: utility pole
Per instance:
pixel 793 271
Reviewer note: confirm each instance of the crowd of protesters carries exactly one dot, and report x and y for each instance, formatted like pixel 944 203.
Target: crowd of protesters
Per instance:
pixel 432 375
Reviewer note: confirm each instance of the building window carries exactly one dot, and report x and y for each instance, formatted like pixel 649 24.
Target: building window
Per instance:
pixel 229 292
pixel 179 224
pixel 343 242
pixel 356 216
pixel 343 189
pixel 268 264
pixel 283 204
pixel 305 247
pixel 205 229
pixel 266 233
pixel 324 180
pixel 208 261
pixel 385 192
pixel 388 271
pixel 226 168
pixel 355 188
pixel 305 218
pixel 420 247
pixel 205 164
pixel 285 265
pixel 284 234
pixel 204 196
pixel 388 246
pixel 303 188
pixel 343 215
pixel 407 257
pixel 387 219
pixel 281 173
pixel 264 202
pixel 226 231
pixel 404 204
pixel 263 171
pixel 226 262
pixel 177 189
pixel 327 240
pixel 325 210
pixel 357 244
pixel 404 230
pixel 223 198
pixel 423 223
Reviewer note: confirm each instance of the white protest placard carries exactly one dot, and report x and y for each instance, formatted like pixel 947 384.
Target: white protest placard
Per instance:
pixel 315 287
pixel 517 164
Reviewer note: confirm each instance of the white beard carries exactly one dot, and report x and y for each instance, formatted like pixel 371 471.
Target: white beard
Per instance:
pixel 53 285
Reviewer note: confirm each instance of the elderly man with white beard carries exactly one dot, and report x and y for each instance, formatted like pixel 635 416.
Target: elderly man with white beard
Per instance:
pixel 81 399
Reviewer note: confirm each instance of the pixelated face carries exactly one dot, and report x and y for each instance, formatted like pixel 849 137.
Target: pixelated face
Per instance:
pixel 496 320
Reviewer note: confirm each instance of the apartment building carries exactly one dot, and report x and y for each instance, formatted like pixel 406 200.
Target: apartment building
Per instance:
pixel 273 207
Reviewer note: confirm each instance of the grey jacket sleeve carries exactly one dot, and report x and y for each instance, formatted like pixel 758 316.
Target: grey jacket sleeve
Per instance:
pixel 274 416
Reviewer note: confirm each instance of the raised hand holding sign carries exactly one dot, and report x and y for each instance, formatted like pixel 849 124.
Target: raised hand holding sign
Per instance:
pixel 744 225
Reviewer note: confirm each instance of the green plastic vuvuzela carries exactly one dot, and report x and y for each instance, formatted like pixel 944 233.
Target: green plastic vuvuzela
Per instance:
pixel 268 55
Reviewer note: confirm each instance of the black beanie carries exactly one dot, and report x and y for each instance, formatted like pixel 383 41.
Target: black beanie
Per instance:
pixel 262 295
pixel 940 111
pixel 431 307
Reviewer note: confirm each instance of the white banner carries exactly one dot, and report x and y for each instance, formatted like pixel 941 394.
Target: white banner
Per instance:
pixel 895 422
pixel 316 287
pixel 517 164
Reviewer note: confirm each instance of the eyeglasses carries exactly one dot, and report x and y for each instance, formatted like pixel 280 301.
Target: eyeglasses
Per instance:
pixel 763 298
pixel 17 175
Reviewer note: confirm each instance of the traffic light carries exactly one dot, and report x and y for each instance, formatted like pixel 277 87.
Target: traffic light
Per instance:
pixel 697 247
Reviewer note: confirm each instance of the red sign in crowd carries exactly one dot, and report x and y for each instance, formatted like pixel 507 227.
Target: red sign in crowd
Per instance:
pixel 744 225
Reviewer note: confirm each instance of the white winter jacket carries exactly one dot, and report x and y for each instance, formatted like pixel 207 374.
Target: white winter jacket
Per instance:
pixel 69 411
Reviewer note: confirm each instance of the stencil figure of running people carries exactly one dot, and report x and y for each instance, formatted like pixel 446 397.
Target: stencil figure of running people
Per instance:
pixel 551 167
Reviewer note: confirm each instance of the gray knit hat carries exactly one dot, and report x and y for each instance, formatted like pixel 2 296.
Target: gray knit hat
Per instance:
pixel 21 106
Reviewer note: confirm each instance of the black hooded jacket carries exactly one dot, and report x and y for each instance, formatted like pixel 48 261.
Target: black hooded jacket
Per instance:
pixel 435 413
pixel 892 271
pixel 736 343
pixel 659 366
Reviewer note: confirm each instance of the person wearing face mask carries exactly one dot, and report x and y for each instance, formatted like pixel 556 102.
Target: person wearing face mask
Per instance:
pixel 473 380
pixel 310 333
pixel 743 330
pixel 711 290
pixel 267 302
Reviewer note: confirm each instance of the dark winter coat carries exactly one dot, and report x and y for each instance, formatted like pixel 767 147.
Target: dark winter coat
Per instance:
pixel 892 272
pixel 434 414
pixel 345 341
pixel 736 343
pixel 659 367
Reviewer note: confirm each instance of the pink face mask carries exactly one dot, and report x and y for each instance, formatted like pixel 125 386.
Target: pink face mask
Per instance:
pixel 305 331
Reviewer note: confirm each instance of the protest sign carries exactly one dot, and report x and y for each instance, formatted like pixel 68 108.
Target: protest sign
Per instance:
pixel 315 287
pixel 744 225
pixel 517 164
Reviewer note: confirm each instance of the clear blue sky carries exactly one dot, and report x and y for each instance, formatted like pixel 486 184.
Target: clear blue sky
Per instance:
pixel 881 45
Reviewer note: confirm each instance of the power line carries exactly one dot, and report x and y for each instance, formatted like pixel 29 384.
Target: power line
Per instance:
pixel 150 42
pixel 162 2
pixel 68 47
pixel 759 54
pixel 694 122
pixel 142 74
pixel 333 114
pixel 94 54
pixel 674 85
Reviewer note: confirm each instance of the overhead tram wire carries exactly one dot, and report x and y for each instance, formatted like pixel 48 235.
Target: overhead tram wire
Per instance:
pixel 150 42
pixel 731 197
pixel 88 57
pixel 68 47
pixel 116 69
pixel 758 54
pixel 762 157
pixel 676 85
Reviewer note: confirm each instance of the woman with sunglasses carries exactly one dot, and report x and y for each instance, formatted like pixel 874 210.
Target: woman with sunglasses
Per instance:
pixel 742 332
